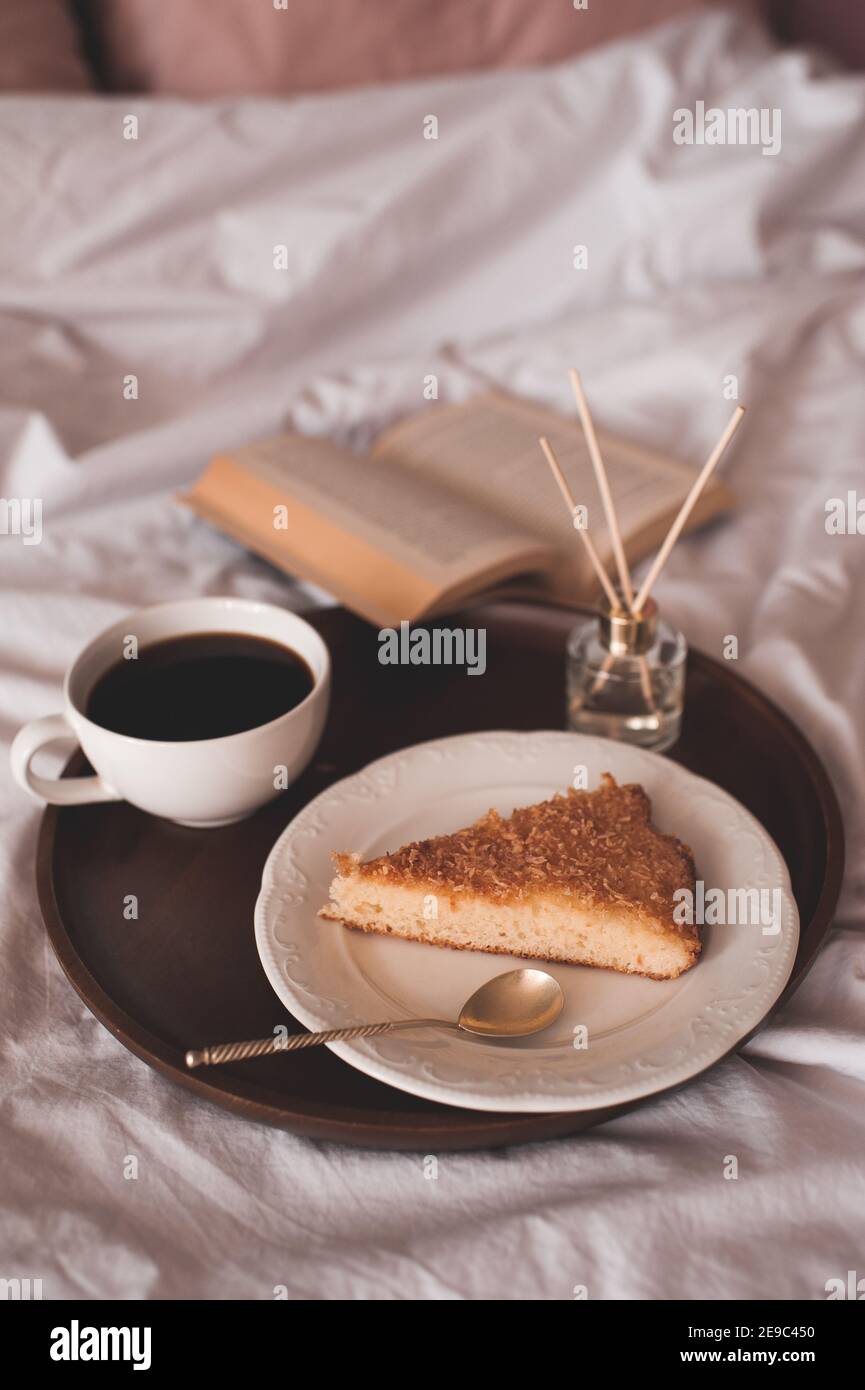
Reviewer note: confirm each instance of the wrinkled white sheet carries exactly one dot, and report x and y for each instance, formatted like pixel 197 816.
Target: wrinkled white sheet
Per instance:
pixel 406 257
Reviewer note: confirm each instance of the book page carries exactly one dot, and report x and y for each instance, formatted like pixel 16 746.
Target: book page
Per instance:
pixel 487 451
pixel 441 533
pixel 385 541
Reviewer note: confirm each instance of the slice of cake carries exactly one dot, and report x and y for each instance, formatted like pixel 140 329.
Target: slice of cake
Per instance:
pixel 582 878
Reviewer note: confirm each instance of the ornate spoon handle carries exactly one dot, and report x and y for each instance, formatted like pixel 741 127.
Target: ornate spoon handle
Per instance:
pixel 262 1047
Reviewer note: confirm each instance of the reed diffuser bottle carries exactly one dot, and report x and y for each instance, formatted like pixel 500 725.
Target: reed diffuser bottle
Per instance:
pixel 625 669
pixel 626 677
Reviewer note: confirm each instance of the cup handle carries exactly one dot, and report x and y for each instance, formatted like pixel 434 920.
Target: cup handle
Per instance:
pixel 57 791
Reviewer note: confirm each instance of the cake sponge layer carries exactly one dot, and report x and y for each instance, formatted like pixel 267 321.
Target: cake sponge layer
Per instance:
pixel 537 928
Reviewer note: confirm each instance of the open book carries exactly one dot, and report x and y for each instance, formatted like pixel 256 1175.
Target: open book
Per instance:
pixel 449 504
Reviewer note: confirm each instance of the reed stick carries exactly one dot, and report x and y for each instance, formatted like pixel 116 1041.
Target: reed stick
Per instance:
pixel 555 469
pixel 687 507
pixel 603 488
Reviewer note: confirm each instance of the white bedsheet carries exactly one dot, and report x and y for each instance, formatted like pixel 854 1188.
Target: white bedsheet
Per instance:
pixel 408 256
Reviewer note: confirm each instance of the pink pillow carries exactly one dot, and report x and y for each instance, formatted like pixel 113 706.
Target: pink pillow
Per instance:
pixel 39 48
pixel 202 48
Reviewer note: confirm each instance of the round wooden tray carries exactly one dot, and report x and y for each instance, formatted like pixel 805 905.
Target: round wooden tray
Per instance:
pixel 187 970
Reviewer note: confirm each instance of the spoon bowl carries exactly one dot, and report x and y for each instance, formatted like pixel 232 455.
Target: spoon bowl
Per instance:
pixel 513 1005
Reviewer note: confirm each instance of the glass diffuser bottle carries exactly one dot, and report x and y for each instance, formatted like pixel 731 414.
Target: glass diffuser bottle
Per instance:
pixel 626 677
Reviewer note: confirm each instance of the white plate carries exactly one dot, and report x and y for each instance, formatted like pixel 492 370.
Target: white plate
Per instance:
pixel 643 1035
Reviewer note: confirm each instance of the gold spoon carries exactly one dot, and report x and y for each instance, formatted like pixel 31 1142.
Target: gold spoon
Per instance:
pixel 512 1005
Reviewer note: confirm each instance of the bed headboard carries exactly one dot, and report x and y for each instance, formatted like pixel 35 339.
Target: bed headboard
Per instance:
pixel 221 47
pixel 838 26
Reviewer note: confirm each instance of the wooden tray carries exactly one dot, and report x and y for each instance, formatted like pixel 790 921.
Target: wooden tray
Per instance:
pixel 187 970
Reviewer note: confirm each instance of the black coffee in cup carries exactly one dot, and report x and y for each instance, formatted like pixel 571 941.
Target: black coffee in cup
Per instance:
pixel 204 685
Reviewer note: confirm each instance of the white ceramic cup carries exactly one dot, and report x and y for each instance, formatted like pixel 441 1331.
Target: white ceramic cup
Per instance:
pixel 204 782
